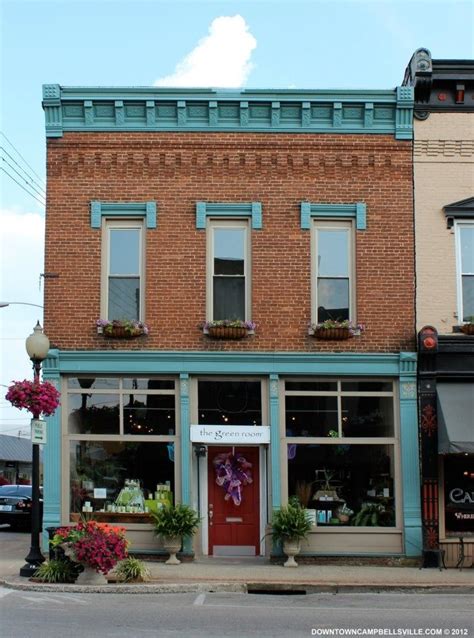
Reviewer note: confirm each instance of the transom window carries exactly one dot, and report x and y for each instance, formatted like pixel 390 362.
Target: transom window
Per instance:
pixel 333 270
pixel 228 281
pixel 123 270
pixel 465 270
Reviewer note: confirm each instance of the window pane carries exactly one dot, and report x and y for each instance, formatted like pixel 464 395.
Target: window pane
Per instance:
pixel 333 253
pixel 458 490
pixel 124 251
pixel 229 251
pixel 149 414
pixel 311 386
pixel 106 465
pixel 367 386
pixel 100 383
pixel 333 299
pixel 367 416
pixel 148 384
pixel 467 249
pixel 310 416
pixel 93 414
pixel 230 402
pixel 229 298
pixel 467 297
pixel 361 477
pixel 124 298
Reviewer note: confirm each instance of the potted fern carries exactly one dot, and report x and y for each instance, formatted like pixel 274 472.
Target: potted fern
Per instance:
pixel 290 525
pixel 173 523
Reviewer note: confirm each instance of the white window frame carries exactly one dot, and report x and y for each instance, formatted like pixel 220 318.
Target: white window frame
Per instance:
pixel 212 224
pixel 458 225
pixel 107 226
pixel 333 225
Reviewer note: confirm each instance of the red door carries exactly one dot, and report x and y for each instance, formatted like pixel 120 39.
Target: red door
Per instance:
pixel 234 529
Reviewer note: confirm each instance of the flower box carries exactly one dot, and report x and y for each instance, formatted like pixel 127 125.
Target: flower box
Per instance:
pixel 467 328
pixel 121 329
pixel 228 329
pixel 226 332
pixel 335 334
pixel 122 333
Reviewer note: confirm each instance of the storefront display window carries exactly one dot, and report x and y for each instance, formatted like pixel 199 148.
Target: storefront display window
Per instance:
pixel 128 473
pixel 347 475
pixel 459 494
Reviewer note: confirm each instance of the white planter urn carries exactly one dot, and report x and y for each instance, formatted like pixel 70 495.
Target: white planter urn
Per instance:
pixel 291 549
pixel 90 577
pixel 172 545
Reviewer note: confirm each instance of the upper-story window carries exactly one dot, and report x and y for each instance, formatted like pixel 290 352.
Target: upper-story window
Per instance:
pixel 465 269
pixel 123 278
pixel 333 270
pixel 228 284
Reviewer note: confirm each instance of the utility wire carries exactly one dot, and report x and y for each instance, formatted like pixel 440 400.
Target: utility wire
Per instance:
pixel 30 184
pixel 30 177
pixel 18 152
pixel 21 186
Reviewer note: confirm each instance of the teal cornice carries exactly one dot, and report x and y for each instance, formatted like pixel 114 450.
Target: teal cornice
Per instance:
pixel 123 209
pixel 252 210
pixel 258 363
pixel 333 211
pixel 162 109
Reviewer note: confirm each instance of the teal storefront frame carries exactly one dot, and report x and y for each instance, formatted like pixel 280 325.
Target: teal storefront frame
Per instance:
pixel 272 365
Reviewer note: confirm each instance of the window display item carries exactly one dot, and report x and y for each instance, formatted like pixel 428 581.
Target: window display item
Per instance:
pixel 130 498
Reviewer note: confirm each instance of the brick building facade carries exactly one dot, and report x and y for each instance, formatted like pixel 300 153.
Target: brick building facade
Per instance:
pixel 284 209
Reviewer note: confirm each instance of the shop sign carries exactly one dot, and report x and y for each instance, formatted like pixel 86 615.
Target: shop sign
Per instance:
pixel 458 495
pixel 230 434
pixel 38 431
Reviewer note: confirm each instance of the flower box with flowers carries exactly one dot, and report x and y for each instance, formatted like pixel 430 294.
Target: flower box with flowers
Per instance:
pixel 335 330
pixel 468 327
pixel 228 329
pixel 121 328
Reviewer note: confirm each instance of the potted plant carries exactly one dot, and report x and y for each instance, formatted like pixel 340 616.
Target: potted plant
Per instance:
pixel 228 328
pixel 335 330
pixel 35 396
pixel 173 523
pixel 290 525
pixel 121 328
pixel 98 547
pixel 468 326
pixel 373 515
pixel 344 513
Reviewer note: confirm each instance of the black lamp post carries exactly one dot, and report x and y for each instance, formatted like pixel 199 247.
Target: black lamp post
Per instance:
pixel 37 347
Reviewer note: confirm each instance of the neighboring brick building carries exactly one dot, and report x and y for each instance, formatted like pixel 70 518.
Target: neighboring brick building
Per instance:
pixel 282 208
pixel 444 223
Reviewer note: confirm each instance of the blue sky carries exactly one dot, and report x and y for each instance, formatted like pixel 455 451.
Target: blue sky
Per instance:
pixel 253 43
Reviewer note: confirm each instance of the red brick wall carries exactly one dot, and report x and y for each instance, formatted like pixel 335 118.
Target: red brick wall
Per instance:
pixel 278 170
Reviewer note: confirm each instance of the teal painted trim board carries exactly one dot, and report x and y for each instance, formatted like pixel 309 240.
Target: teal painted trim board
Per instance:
pixel 275 441
pixel 333 211
pixel 123 209
pixel 257 363
pixel 229 209
pixel 160 109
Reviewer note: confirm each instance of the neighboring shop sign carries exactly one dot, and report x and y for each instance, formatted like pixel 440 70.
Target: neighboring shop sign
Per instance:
pixel 230 434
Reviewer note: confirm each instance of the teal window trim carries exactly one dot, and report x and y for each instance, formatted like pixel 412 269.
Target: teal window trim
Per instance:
pixel 358 211
pixel 253 210
pixel 123 209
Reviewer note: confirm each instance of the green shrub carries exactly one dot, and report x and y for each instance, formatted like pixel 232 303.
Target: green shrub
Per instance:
pixel 290 522
pixel 132 569
pixel 175 520
pixel 57 571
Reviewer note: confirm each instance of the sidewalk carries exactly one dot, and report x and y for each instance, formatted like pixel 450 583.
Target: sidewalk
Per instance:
pixel 207 574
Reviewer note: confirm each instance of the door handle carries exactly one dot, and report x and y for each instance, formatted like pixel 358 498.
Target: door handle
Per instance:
pixel 210 513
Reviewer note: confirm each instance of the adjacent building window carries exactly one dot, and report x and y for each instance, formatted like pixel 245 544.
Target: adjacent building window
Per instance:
pixel 123 270
pixel 333 270
pixel 465 270
pixel 228 270
pixel 121 438
pixel 342 450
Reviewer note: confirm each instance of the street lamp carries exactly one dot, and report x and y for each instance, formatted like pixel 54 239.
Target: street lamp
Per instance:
pixel 4 304
pixel 37 347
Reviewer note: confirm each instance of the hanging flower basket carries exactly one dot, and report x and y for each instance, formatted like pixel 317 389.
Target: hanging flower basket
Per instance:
pixel 35 396
pixel 121 329
pixel 467 328
pixel 335 330
pixel 228 329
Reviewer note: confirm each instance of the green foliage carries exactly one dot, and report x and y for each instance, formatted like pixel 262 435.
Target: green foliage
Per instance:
pixel 57 571
pixel 175 520
pixel 290 522
pixel 132 569
pixel 374 515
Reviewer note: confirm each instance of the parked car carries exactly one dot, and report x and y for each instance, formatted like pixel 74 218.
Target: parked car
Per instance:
pixel 15 505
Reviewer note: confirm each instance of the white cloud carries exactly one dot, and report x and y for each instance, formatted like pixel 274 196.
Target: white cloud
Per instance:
pixel 21 250
pixel 221 59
